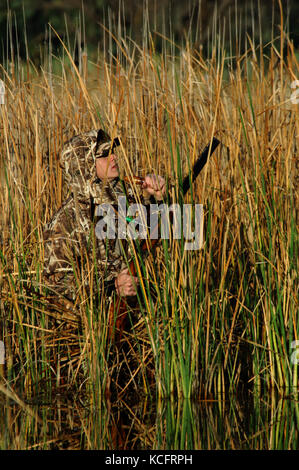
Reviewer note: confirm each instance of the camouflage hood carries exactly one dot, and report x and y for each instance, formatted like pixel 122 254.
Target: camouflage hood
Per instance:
pixel 78 159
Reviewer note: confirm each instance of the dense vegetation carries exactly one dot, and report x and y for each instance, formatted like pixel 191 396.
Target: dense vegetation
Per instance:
pixel 212 322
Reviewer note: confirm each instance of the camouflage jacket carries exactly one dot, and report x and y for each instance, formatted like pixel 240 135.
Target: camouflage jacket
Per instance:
pixel 73 255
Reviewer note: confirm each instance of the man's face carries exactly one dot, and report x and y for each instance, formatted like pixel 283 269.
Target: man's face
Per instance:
pixel 107 167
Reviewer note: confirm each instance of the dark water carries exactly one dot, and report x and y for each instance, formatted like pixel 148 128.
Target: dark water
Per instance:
pixel 70 423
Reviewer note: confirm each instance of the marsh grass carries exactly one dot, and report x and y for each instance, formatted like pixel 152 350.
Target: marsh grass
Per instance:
pixel 215 321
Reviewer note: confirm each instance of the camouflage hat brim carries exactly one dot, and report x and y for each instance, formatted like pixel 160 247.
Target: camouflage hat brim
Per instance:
pixel 105 144
pixel 105 149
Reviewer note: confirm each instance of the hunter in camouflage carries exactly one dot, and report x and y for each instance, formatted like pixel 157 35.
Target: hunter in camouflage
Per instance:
pixel 73 254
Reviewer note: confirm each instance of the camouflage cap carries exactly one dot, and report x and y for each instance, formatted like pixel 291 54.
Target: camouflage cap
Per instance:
pixel 78 158
pixel 105 144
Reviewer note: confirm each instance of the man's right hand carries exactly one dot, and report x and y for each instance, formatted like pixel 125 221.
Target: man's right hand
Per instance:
pixel 126 284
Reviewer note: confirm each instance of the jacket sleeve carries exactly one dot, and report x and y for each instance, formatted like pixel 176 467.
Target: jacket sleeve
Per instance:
pixel 69 258
pixel 60 265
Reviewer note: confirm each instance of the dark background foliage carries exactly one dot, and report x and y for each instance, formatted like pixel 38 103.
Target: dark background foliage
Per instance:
pixel 20 19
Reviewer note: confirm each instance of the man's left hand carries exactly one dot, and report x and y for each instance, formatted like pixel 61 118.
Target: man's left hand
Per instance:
pixel 155 186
